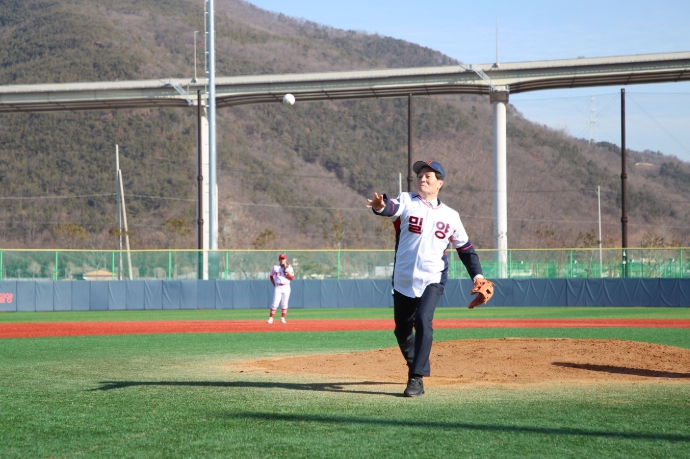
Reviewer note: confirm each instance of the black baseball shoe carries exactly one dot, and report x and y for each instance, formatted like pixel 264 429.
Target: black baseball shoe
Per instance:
pixel 415 387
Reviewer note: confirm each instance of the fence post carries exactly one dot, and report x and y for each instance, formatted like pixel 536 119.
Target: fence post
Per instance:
pixel 227 265
pixel 55 273
pixel 169 264
pixel 510 263
pixel 680 260
pixel 113 265
pixel 338 264
pixel 1 267
pixel 571 263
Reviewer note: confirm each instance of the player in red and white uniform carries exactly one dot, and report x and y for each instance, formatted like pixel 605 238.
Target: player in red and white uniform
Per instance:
pixel 424 227
pixel 281 275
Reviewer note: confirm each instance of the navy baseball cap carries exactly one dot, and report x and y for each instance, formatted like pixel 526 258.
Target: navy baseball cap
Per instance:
pixel 432 164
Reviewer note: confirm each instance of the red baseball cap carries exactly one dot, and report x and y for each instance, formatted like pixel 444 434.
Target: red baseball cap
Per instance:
pixel 282 256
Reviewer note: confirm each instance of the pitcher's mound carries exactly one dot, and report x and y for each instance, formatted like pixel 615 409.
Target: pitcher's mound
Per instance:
pixel 504 361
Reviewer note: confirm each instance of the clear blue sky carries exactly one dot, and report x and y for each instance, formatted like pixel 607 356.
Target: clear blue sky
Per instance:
pixel 658 116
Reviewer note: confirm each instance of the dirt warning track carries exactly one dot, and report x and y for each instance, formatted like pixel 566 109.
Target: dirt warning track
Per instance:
pixel 57 329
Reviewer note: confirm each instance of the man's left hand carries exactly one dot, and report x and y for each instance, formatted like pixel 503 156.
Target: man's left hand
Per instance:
pixel 484 289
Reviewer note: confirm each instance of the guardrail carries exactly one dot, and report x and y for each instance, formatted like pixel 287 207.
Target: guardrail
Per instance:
pixel 45 264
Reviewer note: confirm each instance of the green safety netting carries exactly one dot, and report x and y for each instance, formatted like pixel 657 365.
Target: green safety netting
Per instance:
pixel 332 264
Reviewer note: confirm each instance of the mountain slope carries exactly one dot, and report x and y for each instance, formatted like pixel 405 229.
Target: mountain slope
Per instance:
pixel 292 177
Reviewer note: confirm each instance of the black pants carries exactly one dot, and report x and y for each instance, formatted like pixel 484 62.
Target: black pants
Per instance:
pixel 417 313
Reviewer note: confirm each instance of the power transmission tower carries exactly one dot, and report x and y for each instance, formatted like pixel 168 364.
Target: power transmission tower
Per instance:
pixel 593 125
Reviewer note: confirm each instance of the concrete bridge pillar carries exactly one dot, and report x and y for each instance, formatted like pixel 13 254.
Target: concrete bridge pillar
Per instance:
pixel 202 136
pixel 499 99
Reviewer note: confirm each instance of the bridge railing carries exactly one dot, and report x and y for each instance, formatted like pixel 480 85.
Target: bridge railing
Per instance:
pixel 329 264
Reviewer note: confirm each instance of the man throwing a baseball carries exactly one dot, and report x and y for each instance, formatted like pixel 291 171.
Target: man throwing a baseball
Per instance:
pixel 424 226
pixel 281 276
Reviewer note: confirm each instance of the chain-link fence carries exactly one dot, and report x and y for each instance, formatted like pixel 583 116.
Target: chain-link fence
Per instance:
pixel 329 264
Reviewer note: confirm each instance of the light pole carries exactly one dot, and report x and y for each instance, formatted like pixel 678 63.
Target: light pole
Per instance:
pixel 601 270
pixel 213 198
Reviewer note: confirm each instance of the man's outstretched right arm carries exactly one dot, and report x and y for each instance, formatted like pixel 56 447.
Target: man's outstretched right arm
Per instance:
pixel 383 205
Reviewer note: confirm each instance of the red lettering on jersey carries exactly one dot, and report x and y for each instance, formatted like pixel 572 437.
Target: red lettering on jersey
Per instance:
pixel 442 230
pixel 415 225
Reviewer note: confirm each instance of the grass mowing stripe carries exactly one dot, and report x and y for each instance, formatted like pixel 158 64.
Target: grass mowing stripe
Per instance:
pixel 348 313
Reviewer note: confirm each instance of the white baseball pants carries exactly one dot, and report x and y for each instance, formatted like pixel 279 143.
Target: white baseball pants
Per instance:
pixel 281 295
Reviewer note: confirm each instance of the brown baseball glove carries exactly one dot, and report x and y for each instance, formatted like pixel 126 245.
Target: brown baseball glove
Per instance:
pixel 484 289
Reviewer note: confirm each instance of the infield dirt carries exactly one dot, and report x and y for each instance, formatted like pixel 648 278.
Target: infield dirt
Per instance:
pixel 513 361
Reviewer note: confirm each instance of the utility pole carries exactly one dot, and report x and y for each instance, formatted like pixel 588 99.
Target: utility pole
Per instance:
pixel 601 270
pixel 200 191
pixel 119 211
pixel 624 191
pixel 122 218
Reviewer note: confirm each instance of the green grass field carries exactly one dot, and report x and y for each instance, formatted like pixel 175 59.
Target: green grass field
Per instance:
pixel 176 396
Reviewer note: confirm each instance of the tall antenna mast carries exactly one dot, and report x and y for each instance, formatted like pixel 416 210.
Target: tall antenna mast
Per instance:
pixel 593 123
pixel 195 32
pixel 497 61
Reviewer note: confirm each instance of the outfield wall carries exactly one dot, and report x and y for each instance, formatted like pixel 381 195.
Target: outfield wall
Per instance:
pixel 24 295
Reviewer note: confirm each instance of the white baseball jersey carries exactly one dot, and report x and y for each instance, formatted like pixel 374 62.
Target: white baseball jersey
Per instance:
pixel 279 277
pixel 423 233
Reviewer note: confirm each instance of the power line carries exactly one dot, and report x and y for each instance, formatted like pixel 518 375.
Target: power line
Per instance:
pixel 297 207
pixel 8 198
pixel 574 221
pixel 682 145
pixel 165 198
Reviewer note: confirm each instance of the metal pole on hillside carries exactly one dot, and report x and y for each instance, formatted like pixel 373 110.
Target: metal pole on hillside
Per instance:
pixel 200 190
pixel 624 192
pixel 409 143
pixel 601 270
pixel 213 199
pixel 119 211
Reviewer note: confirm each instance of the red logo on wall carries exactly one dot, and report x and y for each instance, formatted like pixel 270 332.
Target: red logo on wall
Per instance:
pixel 6 297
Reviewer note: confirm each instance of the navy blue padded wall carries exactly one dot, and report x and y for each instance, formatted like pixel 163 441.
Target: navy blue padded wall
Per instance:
pixel 172 291
pixel 26 296
pixel 190 294
pixel 81 296
pixel 8 296
pixel 224 295
pixel 44 295
pixel 117 296
pixel 62 296
pixel 99 298
pixel 153 294
pixel 135 295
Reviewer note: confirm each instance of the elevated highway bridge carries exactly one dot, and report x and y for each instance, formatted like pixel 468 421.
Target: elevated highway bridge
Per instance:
pixel 496 81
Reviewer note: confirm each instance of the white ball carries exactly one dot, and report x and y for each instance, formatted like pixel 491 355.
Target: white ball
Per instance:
pixel 289 99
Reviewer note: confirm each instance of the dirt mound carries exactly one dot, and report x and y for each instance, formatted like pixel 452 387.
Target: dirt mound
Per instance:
pixel 521 361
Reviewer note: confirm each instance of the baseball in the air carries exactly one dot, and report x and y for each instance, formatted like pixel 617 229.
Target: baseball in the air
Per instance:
pixel 288 99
